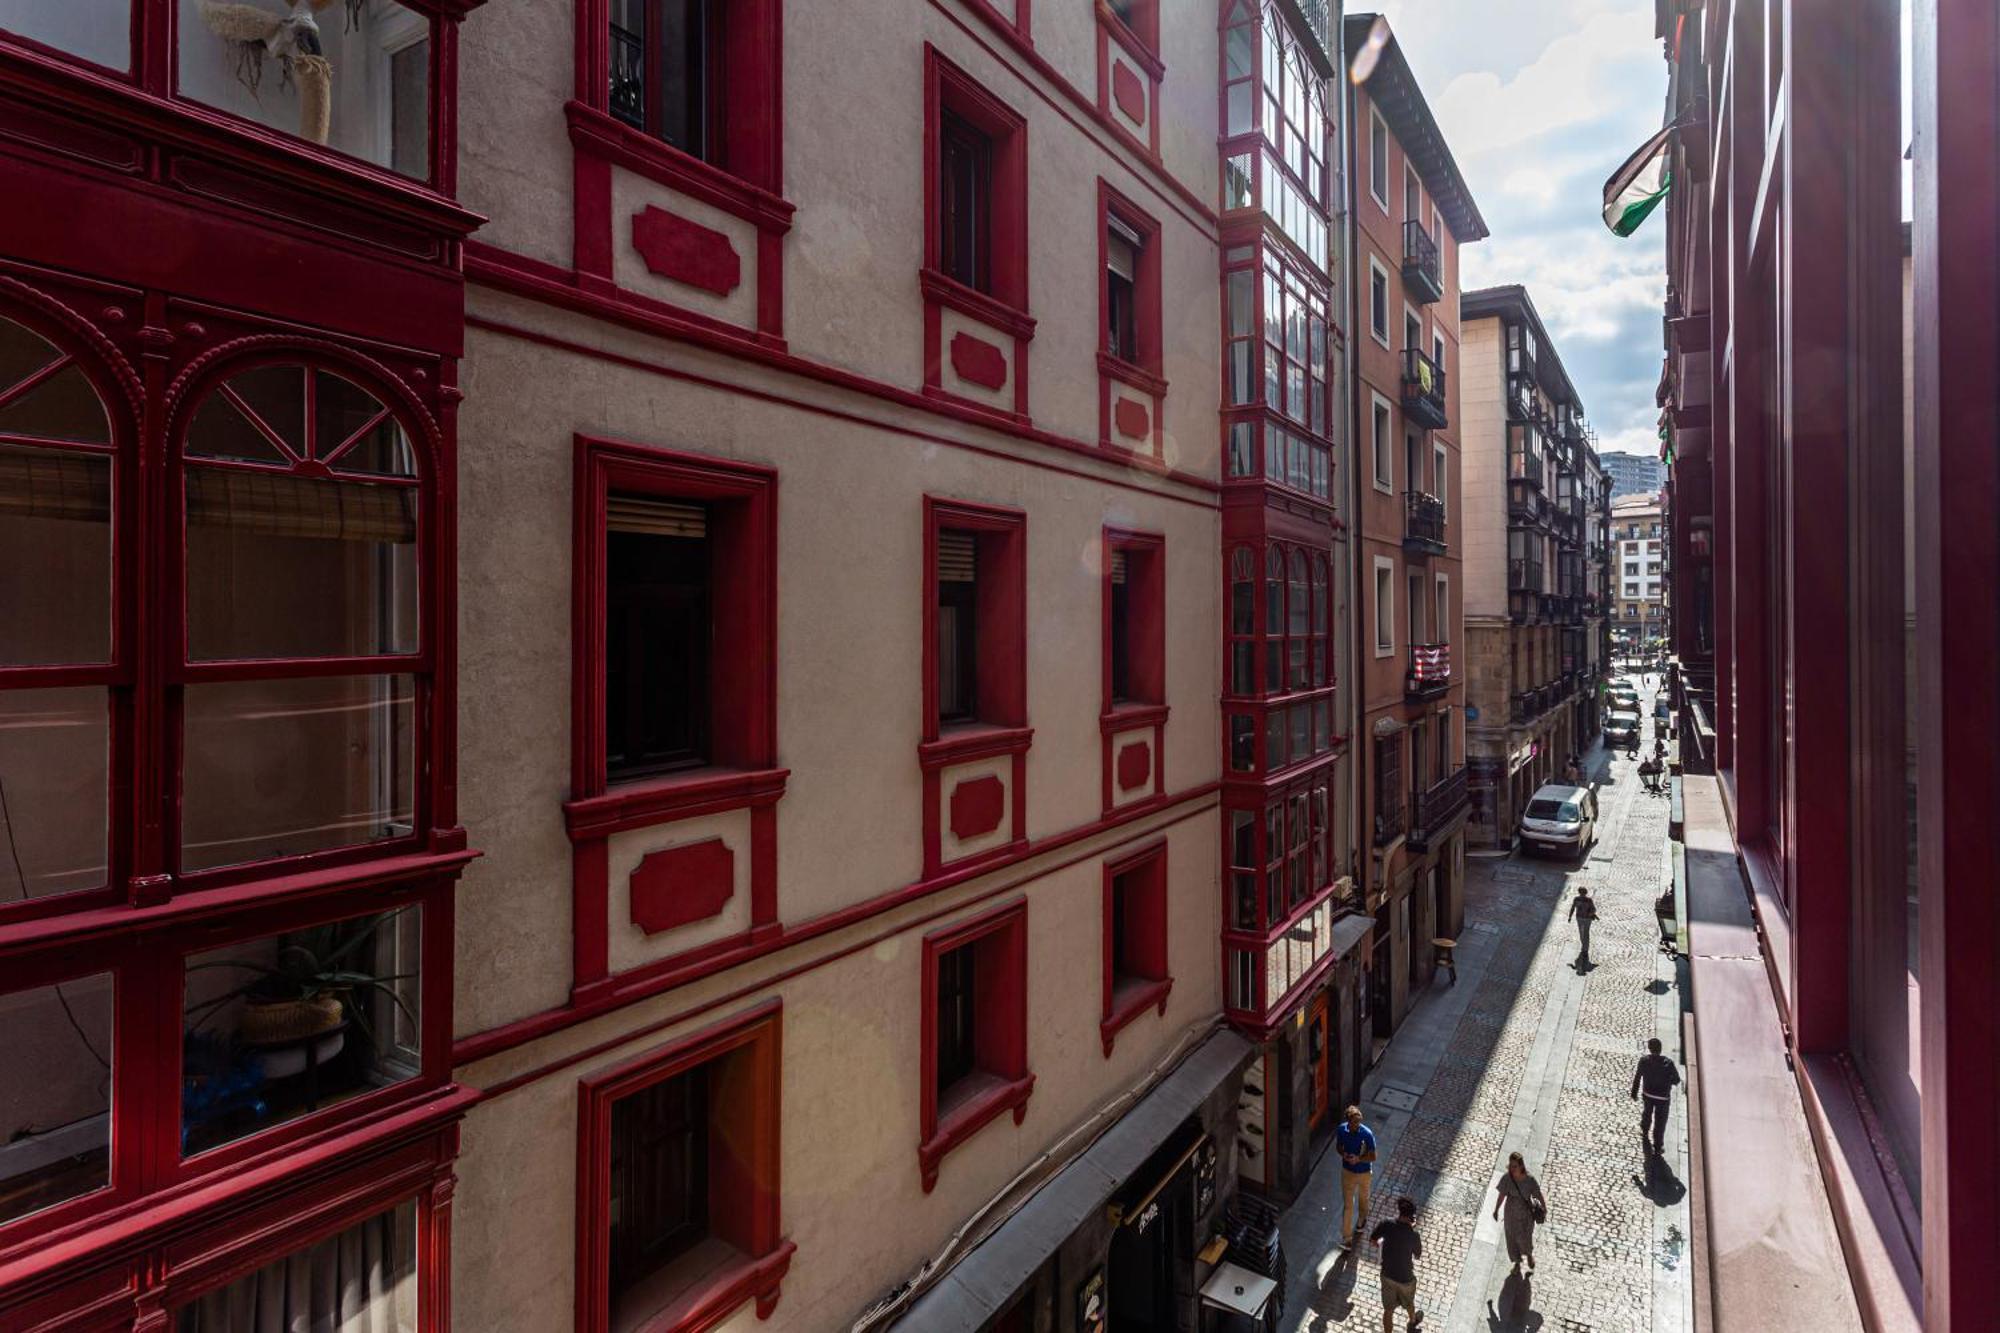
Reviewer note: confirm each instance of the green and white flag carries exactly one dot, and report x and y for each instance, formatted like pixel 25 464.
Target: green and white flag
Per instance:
pixel 1639 184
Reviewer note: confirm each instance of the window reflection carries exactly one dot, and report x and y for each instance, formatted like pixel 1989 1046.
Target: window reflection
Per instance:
pixel 99 31
pixel 55 1100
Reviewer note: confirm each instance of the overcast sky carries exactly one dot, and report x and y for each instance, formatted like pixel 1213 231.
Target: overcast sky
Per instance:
pixel 1540 100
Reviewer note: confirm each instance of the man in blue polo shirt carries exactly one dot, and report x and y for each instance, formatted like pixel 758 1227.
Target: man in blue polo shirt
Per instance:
pixel 1355 1143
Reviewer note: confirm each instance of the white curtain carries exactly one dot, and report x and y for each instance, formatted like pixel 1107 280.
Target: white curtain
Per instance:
pixel 362 1280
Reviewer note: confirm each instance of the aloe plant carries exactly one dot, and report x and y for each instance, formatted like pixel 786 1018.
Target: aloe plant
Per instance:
pixel 310 963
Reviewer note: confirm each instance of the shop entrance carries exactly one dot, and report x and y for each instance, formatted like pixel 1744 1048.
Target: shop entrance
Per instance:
pixel 1319 1053
pixel 1152 1251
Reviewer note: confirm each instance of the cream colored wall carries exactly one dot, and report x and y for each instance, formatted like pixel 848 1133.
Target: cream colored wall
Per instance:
pixel 1483 465
pixel 852 1197
pixel 850 553
pixel 853 165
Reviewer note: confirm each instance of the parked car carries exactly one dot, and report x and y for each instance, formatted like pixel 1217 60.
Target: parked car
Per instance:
pixel 1621 727
pixel 1560 818
pixel 1623 698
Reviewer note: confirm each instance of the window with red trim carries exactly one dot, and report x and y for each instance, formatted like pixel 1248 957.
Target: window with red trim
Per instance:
pixel 1280 871
pixel 975 1029
pixel 975 186
pixel 1130 297
pixel 55 1113
pixel 1135 608
pixel 1285 621
pixel 975 616
pixel 678 1204
pixel 678 570
pixel 699 76
pixel 296 634
pixel 1136 968
pixel 1140 17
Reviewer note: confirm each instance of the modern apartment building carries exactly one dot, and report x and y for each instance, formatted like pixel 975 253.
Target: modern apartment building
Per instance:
pixel 1633 474
pixel 1533 602
pixel 857 451
pixel 1836 640
pixel 1638 572
pixel 1412 212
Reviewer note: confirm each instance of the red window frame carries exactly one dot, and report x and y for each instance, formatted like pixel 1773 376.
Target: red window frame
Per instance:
pixel 1145 556
pixel 1143 877
pixel 744 1188
pixel 1141 21
pixel 743 735
pixel 1000 1040
pixel 1279 599
pixel 947 88
pixel 1002 613
pixel 1146 288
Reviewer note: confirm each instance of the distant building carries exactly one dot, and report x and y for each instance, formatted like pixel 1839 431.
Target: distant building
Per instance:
pixel 1638 571
pixel 1633 474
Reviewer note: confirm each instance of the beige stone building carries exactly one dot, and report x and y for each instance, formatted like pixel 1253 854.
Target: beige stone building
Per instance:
pixel 1531 618
pixel 1638 573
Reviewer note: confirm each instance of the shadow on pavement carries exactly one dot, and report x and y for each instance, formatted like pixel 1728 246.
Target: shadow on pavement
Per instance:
pixel 1660 1184
pixel 1513 1315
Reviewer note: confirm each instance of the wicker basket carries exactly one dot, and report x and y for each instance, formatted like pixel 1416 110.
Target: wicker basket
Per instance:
pixel 266 1022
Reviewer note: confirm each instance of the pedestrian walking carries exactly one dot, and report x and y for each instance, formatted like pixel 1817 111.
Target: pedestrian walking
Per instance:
pixel 1401 1247
pixel 1583 911
pixel 1653 1084
pixel 1520 1194
pixel 1573 772
pixel 1356 1144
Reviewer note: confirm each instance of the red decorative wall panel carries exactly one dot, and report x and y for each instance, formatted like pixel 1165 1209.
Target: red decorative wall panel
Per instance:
pixel 678 885
pixel 1131 418
pixel 1127 91
pixel 1135 765
pixel 978 361
pixel 684 251
pixel 976 807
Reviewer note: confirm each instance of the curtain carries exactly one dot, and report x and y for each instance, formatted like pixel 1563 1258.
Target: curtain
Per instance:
pixel 361 1280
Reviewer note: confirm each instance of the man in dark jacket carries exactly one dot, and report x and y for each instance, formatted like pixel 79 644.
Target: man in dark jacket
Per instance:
pixel 1401 1247
pixel 1656 1078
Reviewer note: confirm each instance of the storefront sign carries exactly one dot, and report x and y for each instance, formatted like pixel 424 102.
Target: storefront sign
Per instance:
pixel 1090 1317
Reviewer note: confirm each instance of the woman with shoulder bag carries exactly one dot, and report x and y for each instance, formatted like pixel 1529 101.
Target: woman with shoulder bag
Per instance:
pixel 1521 1195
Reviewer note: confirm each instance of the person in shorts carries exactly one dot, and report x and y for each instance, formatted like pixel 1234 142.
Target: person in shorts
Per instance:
pixel 1400 1247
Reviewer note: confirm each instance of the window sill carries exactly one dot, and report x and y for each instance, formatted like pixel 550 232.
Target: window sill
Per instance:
pixel 1140 378
pixel 940 289
pixel 1130 716
pixel 703 791
pixel 983 1098
pixel 1131 997
pixel 602 135
pixel 1136 46
pixel 966 741
pixel 713 1297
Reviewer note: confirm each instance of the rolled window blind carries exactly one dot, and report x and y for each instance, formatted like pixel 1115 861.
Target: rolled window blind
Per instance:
pixel 281 505
pixel 656 517
pixel 1118 566
pixel 957 557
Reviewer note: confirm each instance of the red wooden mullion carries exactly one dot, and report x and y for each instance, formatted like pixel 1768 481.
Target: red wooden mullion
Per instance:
pixel 264 428
pixel 23 386
pixel 348 443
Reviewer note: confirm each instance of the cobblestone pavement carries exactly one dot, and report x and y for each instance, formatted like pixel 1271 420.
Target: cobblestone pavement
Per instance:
pixel 1527 1053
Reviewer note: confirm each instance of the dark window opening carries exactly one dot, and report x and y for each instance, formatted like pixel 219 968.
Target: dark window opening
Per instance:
pixel 665 71
pixel 659 1177
pixel 958 626
pixel 956 1056
pixel 657 625
pixel 1121 263
pixel 965 208
pixel 1121 629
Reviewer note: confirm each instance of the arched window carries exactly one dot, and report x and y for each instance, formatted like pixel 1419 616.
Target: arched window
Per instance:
pixel 303 656
pixel 60 650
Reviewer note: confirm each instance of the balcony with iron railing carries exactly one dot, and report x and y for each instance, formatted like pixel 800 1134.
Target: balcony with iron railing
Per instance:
pixel 1436 807
pixel 1424 390
pixel 1524 574
pixel 1423 273
pixel 1423 524
pixel 1429 674
pixel 1525 465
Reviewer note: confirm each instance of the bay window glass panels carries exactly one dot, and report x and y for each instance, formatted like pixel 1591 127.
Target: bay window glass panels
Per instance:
pixel 285 1025
pixel 99 32
pixel 354 78
pixel 55 1101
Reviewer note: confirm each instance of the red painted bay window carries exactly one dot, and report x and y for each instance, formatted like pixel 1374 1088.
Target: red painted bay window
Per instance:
pixel 1279 706
pixel 975 1030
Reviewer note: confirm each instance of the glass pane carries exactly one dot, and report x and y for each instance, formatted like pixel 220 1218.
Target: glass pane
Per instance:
pixel 99 31
pixel 277 396
pixel 55 1103
pixel 288 1024
pixel 330 75
pixel 1239 48
pixel 363 1278
pixel 220 430
pixel 55 556
pixel 291 566
pixel 62 407
pixel 1242 744
pixel 283 767
pixel 1239 112
pixel 55 774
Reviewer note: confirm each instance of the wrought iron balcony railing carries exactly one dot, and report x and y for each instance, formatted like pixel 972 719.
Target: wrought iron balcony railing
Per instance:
pixel 1430 671
pixel 1424 390
pixel 1423 524
pixel 1423 274
pixel 1436 807
pixel 1524 575
pixel 1525 466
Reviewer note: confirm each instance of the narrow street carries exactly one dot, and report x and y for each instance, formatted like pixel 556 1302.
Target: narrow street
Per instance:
pixel 1525 1053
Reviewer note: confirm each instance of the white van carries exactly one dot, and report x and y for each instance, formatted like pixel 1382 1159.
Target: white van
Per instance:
pixel 1560 818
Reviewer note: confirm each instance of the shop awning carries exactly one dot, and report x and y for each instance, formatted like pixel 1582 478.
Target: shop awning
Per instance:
pixel 1349 931
pixel 979 1286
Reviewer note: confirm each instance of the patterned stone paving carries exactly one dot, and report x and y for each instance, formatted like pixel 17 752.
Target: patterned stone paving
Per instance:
pixel 1528 1055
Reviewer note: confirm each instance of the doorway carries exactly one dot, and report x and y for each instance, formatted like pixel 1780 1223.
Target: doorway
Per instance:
pixel 1152 1257
pixel 1319 1056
